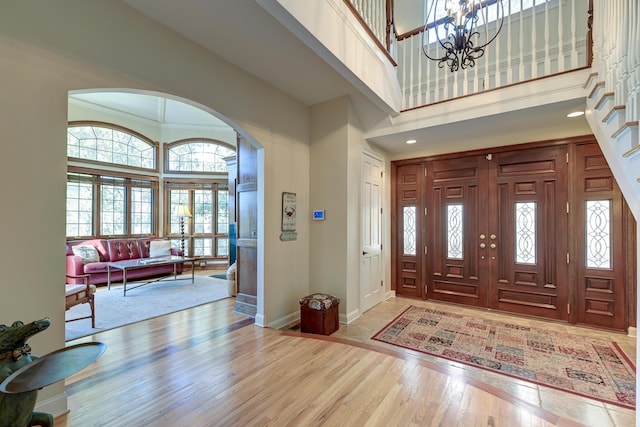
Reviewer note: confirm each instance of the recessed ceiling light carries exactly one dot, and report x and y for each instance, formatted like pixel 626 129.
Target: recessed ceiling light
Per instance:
pixel 575 114
pixel 411 141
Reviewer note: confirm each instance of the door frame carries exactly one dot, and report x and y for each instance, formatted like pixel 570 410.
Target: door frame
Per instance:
pixel 628 231
pixel 380 295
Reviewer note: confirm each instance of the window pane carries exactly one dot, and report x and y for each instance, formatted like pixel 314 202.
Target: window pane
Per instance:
pixel 223 212
pixel 176 198
pixel 598 233
pixel 409 230
pixel 202 247
pixel 141 210
pixel 199 157
pixel 454 231
pixel 110 146
pixel 222 247
pixel 203 211
pixel 112 212
pixel 525 232
pixel 79 209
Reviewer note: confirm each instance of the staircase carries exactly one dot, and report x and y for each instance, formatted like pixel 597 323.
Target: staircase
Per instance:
pixel 613 92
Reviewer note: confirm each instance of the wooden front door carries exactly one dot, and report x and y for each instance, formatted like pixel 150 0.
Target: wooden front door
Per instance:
pixel 493 238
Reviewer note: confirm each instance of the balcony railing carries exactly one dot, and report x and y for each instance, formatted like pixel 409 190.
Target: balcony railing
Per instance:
pixel 539 38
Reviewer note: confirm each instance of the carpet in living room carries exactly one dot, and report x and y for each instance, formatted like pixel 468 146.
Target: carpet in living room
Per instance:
pixel 152 300
pixel 582 365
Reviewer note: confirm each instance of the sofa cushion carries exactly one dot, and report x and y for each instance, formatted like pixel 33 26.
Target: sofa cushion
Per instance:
pixel 159 248
pixel 95 267
pixel 87 253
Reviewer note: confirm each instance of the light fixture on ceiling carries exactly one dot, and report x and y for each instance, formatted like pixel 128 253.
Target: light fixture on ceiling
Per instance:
pixel 575 114
pixel 454 25
pixel 411 141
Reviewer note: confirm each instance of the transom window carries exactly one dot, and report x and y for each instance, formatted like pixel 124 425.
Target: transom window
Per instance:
pixel 109 144
pixel 197 156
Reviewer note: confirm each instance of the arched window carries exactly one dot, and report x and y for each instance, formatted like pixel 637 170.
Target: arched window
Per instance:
pixel 197 156
pixel 100 142
pixel 101 202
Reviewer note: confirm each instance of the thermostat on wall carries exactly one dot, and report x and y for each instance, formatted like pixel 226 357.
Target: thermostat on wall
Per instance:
pixel 318 215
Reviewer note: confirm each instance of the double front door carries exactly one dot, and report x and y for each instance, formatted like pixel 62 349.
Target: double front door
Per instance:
pixel 495 230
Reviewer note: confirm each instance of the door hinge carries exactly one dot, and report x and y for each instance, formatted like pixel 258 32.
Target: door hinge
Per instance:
pixel 381 174
pixel 380 211
pixel 381 283
pixel 425 171
pixel 568 308
pixel 567 207
pixel 567 158
pixel 425 211
pixel 425 250
pixel 568 258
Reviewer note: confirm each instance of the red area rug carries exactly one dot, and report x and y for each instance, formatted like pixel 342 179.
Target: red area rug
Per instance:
pixel 584 366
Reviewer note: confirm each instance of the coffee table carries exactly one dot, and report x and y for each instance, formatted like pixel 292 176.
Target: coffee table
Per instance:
pixel 136 264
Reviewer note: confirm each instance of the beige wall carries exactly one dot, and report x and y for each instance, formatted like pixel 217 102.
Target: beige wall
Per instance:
pixel 50 48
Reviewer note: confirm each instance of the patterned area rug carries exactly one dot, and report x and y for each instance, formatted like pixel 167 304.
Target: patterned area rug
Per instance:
pixel 585 366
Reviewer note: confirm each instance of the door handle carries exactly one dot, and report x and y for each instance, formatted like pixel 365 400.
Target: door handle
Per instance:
pixel 365 253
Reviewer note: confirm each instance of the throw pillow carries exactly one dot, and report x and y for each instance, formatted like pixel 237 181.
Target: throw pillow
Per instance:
pixel 88 253
pixel 159 248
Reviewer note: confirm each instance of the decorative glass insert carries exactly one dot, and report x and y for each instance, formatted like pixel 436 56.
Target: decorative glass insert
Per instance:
pixel 109 145
pixel 199 157
pixel 525 232
pixel 409 231
pixel 454 231
pixel 598 233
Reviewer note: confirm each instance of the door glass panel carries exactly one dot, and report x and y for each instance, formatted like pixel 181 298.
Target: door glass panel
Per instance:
pixel 454 231
pixel 409 230
pixel 598 233
pixel 525 232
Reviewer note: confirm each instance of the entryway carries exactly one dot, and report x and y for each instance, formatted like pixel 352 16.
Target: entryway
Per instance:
pixel 538 230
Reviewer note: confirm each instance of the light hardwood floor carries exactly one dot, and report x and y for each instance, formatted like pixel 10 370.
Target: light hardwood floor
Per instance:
pixel 208 366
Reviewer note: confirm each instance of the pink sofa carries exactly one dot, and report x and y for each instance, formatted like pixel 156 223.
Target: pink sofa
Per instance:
pixel 110 250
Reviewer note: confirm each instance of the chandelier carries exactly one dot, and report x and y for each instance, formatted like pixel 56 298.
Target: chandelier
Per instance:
pixel 454 26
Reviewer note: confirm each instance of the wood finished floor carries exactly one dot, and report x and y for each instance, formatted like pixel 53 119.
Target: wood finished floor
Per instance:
pixel 208 366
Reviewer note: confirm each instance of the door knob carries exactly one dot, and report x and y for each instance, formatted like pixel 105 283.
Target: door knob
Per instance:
pixel 482 245
pixel 493 246
pixel 493 237
pixel 482 236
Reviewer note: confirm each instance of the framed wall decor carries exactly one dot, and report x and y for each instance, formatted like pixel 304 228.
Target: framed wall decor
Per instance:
pixel 288 211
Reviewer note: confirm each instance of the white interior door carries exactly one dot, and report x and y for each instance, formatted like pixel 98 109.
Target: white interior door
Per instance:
pixel 371 271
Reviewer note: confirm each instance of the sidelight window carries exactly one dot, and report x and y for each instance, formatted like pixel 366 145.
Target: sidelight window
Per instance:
pixel 598 233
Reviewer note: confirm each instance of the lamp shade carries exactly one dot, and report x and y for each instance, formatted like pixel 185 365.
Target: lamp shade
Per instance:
pixel 183 210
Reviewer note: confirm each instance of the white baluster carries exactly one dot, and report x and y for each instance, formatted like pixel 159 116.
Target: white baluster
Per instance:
pixel 509 47
pixel 534 42
pixel 521 34
pixel 561 67
pixel 411 80
pixel 574 50
pixel 547 56
pixel 421 59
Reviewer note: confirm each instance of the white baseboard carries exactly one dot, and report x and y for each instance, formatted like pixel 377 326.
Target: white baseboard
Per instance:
pixel 389 294
pixel 350 317
pixel 633 331
pixel 56 405
pixel 284 321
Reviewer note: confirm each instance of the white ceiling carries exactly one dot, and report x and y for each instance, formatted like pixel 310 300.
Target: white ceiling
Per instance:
pixel 288 64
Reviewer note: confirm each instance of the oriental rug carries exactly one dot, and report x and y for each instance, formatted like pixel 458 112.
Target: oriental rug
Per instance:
pixel 585 366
